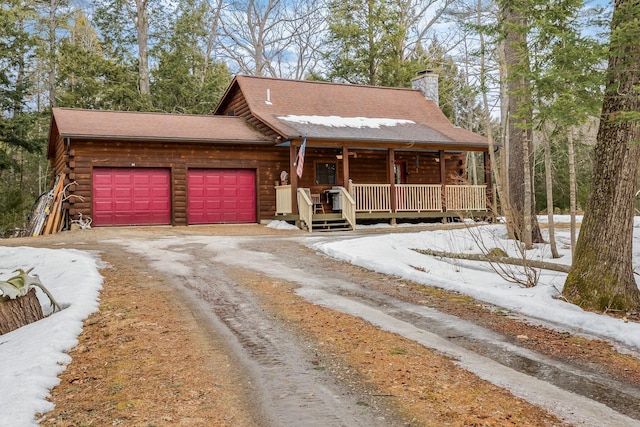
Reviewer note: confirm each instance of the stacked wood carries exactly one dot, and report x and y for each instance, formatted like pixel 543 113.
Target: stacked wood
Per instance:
pixel 48 216
pixel 15 313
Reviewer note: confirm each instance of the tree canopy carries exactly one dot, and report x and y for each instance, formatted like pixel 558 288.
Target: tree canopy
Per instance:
pixel 178 57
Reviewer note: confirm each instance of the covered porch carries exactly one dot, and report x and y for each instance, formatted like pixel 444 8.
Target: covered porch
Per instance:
pixel 343 185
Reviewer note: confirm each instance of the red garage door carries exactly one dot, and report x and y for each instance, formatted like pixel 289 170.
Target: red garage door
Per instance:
pixel 222 196
pixel 128 196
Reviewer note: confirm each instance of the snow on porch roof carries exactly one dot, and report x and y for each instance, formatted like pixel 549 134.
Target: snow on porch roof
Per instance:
pixel 364 128
pixel 74 123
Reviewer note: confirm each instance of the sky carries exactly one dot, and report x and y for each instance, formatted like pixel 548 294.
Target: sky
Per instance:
pixel 34 355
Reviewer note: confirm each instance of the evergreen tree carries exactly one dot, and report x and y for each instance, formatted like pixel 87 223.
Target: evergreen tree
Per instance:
pixel 87 79
pixel 361 40
pixel 515 27
pixel 566 83
pixel 129 29
pixel 22 129
pixel 184 80
pixel 368 44
pixel 602 276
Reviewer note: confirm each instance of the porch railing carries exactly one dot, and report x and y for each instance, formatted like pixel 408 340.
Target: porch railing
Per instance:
pixel 283 199
pixel 465 197
pixel 418 198
pixel 376 198
pixel 348 207
pixel 305 208
pixel 371 197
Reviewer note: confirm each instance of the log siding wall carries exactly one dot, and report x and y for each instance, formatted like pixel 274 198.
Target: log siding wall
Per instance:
pixel 268 162
pixel 237 105
pixel 365 166
pixel 422 168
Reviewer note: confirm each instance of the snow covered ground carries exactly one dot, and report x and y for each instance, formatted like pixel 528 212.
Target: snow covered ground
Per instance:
pixel 32 356
pixel 393 254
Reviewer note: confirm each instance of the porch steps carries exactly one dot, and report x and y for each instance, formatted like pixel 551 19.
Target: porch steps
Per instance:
pixel 339 224
pixel 330 222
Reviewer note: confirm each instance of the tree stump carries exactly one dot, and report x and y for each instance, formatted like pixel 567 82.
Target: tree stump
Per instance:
pixel 15 313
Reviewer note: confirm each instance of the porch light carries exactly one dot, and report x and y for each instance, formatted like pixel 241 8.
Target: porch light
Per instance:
pixel 354 155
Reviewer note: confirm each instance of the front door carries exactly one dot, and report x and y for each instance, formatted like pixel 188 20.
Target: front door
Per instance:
pixel 400 172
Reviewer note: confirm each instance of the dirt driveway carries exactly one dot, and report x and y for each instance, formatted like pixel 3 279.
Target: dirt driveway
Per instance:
pixel 248 326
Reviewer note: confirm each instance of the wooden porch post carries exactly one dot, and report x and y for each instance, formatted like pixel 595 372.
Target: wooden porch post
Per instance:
pixel 345 167
pixel 487 170
pixel 392 181
pixel 293 176
pixel 487 179
pixel 443 181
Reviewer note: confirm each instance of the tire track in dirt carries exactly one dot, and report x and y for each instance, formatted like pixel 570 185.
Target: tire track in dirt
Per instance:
pixel 286 388
pixel 567 391
pixel 263 340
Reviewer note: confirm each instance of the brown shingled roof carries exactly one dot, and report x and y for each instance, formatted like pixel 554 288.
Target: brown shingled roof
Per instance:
pixel 97 124
pixel 272 100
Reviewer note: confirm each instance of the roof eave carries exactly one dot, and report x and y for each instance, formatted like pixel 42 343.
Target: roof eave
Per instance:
pixel 170 139
pixel 51 144
pixel 476 146
pixel 223 98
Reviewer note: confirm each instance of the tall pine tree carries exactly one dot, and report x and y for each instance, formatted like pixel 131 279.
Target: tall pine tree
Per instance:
pixel 89 79
pixel 185 80
pixel 21 124
pixel 602 276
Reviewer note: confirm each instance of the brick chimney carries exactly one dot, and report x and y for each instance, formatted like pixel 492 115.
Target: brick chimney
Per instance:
pixel 427 82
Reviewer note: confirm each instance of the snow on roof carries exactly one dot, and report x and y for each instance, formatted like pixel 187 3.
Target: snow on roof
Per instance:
pixel 349 122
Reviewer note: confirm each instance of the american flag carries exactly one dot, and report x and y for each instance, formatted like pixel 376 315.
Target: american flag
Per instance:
pixel 300 160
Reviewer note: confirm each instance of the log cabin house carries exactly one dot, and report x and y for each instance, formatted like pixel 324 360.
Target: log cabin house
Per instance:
pixel 322 155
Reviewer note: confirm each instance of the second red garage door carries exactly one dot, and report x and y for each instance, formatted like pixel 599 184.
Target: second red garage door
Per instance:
pixel 219 196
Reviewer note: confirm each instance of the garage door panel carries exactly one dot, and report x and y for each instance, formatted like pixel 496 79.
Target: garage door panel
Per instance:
pixel 243 193
pixel 157 195
pixel 122 206
pixel 121 179
pixel 245 180
pixel 221 196
pixel 212 179
pixel 131 196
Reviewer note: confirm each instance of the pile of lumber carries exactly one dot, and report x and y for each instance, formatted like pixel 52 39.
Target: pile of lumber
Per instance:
pixel 48 217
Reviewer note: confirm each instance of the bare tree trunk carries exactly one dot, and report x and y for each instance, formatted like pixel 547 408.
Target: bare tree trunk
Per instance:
pixel 487 116
pixel 258 34
pixel 572 189
pixel 471 155
pixel 471 160
pixel 15 313
pixel 52 52
pixel 531 263
pixel 527 210
pixel 372 32
pixel 548 179
pixel 142 26
pixel 140 19
pixel 213 34
pixel 602 275
pixel 519 133
pixel 504 157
